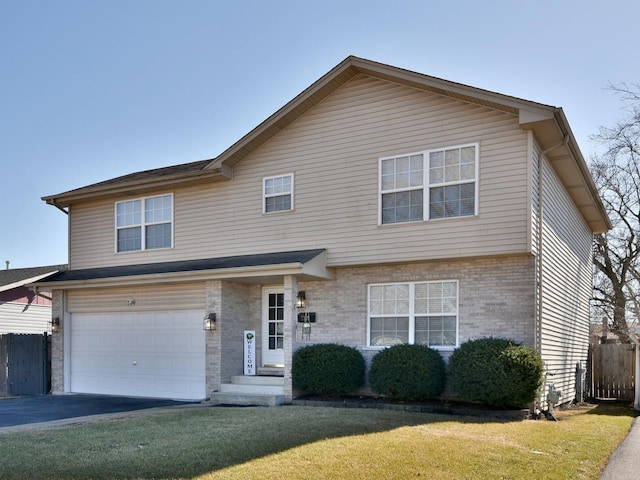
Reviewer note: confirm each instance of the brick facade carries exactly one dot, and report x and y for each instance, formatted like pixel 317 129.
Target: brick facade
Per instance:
pixel 496 298
pixel 57 344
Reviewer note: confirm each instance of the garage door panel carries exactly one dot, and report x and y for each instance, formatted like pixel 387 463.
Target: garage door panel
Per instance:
pixel 148 354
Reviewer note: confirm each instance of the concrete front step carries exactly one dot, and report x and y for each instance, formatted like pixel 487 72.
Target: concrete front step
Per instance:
pixel 250 390
pixel 257 380
pixel 273 371
pixel 253 399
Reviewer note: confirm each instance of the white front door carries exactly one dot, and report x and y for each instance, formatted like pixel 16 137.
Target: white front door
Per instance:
pixel 273 327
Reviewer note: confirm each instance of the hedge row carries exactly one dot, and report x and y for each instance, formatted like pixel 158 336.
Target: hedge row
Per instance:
pixel 492 371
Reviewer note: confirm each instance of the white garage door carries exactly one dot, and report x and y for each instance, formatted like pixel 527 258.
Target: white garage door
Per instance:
pixel 149 354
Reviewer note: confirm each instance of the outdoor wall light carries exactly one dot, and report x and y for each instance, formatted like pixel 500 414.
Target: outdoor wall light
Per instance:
pixel 301 300
pixel 210 321
pixel 55 324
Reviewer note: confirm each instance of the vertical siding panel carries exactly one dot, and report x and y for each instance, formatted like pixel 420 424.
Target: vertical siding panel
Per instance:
pixel 566 280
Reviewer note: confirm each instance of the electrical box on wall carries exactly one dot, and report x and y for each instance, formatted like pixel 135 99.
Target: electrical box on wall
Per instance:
pixel 309 317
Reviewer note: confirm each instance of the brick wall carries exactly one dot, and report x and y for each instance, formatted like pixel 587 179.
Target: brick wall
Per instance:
pixel 57 344
pixel 240 312
pixel 238 308
pixel 496 298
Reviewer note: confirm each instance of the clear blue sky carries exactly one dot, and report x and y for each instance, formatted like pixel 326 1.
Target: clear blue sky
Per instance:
pixel 90 90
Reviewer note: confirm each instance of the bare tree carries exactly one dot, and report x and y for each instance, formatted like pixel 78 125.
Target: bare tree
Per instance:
pixel 616 172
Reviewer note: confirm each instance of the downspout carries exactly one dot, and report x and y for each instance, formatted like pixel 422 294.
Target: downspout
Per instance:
pixel 37 293
pixel 59 207
pixel 46 297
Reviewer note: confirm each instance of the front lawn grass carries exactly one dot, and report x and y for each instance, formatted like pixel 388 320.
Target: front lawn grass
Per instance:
pixel 316 442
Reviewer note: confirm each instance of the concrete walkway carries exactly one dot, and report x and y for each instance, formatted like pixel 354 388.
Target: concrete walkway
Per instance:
pixel 624 463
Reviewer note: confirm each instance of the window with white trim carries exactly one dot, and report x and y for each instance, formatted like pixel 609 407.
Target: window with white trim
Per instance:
pixel 277 193
pixel 415 312
pixel 429 185
pixel 144 223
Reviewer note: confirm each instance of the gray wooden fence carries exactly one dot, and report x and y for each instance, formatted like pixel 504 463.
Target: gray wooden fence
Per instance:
pixel 612 371
pixel 25 364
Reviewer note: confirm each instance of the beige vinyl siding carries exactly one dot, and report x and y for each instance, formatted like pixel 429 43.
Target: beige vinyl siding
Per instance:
pixel 333 152
pixel 183 296
pixel 22 318
pixel 566 284
pixel 535 200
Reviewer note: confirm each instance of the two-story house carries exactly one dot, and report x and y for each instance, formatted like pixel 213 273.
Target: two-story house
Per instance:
pixel 406 208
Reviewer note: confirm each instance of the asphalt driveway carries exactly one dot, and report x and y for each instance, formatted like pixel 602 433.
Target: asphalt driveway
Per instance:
pixel 15 411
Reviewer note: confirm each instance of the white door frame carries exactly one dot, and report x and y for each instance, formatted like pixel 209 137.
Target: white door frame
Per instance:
pixel 272 357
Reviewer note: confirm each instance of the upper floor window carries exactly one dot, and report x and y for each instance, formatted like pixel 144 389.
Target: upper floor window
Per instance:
pixel 278 193
pixel 144 223
pixel 415 312
pixel 429 185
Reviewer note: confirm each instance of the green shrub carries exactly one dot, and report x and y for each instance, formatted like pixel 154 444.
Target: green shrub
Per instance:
pixel 408 372
pixel 328 369
pixel 496 372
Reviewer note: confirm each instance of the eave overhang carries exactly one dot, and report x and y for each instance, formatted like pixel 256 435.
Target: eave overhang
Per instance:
pixel 259 268
pixel 559 146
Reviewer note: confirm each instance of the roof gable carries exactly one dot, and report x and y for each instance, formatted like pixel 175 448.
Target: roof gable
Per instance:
pixel 548 123
pixel 347 70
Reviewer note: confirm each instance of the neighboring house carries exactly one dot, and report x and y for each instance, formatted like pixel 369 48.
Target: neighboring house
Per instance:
pixel 600 334
pixel 406 208
pixel 22 310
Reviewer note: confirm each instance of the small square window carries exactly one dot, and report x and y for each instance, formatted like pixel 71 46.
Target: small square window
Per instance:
pixel 277 193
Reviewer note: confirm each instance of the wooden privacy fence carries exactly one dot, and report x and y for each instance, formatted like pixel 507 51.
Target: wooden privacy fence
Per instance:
pixel 25 364
pixel 612 371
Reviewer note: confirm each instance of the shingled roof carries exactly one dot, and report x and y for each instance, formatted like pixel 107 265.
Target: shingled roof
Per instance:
pixel 310 263
pixel 135 177
pixel 18 277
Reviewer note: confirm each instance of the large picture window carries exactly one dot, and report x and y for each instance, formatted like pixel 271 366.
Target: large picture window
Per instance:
pixel 419 312
pixel 429 185
pixel 144 223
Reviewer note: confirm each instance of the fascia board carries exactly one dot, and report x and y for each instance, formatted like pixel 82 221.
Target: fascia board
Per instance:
pixel 295 268
pixel 92 193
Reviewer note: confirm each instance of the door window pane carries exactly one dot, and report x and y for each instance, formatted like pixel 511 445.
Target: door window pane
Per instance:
pixel 276 323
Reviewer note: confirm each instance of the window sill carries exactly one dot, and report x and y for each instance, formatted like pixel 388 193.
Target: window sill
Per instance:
pixel 128 252
pixel 439 349
pixel 432 220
